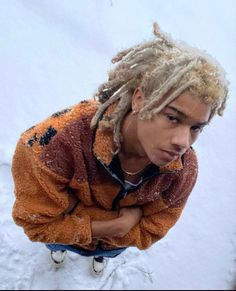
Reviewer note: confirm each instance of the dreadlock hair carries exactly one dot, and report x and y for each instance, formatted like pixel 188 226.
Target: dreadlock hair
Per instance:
pixel 163 69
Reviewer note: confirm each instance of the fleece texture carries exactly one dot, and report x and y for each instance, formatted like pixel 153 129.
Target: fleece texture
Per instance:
pixel 62 184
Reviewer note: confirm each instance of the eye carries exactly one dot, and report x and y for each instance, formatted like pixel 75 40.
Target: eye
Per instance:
pixel 172 118
pixel 197 128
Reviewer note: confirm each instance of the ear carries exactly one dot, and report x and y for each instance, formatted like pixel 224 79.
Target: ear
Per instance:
pixel 137 99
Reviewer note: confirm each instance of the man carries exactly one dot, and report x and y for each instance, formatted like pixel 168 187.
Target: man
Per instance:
pixel 116 172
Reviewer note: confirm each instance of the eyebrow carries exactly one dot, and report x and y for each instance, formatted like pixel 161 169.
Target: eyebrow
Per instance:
pixel 185 115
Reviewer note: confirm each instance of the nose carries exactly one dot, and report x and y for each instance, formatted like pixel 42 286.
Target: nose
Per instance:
pixel 181 139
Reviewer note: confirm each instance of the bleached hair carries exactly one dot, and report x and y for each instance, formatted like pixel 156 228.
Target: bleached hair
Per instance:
pixel 163 68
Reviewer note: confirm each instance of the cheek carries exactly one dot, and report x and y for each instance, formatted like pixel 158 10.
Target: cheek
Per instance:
pixel 194 137
pixel 145 133
pixel 148 138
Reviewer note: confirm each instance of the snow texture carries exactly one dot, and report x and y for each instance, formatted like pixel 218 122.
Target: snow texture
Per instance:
pixel 54 54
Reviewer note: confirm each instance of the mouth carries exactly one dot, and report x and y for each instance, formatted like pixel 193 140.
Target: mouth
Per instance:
pixel 169 155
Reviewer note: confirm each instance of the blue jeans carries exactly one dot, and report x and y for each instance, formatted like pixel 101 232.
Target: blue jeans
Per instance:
pixel 98 252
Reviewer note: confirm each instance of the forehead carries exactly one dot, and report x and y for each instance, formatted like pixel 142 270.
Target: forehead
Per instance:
pixel 191 107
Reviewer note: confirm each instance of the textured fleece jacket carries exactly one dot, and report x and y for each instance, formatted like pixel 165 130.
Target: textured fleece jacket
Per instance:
pixel 65 177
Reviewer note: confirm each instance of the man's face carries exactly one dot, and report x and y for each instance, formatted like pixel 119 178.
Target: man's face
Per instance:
pixel 171 132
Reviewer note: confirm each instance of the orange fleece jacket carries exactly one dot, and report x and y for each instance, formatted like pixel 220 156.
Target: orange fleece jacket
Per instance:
pixel 62 184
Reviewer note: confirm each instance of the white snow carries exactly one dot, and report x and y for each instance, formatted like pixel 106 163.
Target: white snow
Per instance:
pixel 54 54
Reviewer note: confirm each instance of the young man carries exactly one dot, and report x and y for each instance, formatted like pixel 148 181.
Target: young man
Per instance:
pixel 116 172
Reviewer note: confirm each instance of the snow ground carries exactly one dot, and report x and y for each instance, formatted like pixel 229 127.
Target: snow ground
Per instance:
pixel 54 54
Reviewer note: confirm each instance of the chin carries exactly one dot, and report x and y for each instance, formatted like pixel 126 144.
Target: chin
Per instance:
pixel 158 163
pixel 161 163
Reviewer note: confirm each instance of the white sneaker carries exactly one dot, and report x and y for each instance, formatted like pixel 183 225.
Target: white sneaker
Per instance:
pixel 98 265
pixel 58 257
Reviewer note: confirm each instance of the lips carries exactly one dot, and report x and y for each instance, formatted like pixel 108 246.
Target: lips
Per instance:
pixel 169 155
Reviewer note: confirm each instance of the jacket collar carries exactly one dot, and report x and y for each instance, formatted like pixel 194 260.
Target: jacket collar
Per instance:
pixel 104 147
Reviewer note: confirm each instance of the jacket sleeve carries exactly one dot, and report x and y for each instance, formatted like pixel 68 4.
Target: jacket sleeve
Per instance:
pixel 159 216
pixel 150 229
pixel 42 199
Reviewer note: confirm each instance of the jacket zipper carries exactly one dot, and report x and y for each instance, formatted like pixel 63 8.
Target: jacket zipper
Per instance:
pixel 123 192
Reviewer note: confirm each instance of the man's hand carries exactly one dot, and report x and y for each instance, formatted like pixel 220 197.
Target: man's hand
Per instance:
pixel 119 227
pixel 130 216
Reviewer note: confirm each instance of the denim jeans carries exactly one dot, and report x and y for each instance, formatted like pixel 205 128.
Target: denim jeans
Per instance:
pixel 98 252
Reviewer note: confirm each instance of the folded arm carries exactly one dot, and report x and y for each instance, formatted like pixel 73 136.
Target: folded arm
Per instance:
pixel 41 202
pixel 160 215
pixel 117 227
pixel 148 230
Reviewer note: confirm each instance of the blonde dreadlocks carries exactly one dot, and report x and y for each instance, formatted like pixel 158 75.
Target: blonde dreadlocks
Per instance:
pixel 159 67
